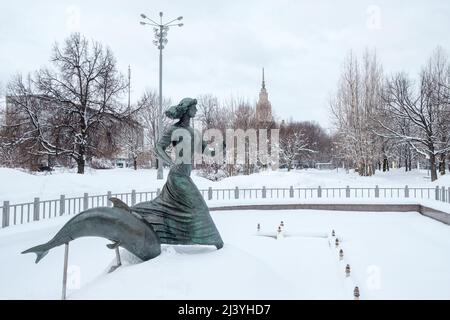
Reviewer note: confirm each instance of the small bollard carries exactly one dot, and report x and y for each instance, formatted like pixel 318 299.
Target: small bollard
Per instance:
pixel 279 233
pixel 341 255
pixel 356 293
pixel 336 243
pixel 333 234
pixel 347 271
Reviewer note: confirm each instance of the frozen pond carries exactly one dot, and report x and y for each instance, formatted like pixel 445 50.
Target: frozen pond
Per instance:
pixel 392 256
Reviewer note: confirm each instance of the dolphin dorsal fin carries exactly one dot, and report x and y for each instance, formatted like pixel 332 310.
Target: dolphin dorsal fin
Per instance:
pixel 119 204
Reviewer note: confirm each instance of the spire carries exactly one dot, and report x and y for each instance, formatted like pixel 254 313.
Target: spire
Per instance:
pixel 263 106
pixel 263 82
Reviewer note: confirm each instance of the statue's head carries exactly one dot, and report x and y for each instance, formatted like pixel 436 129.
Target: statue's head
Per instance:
pixel 186 106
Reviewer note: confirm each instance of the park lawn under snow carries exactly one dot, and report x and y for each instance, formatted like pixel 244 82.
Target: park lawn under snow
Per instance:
pixel 392 256
pixel 18 186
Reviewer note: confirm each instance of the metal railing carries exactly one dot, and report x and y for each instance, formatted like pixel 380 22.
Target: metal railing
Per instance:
pixel 15 214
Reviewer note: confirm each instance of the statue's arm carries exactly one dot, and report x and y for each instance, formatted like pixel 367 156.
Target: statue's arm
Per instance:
pixel 162 145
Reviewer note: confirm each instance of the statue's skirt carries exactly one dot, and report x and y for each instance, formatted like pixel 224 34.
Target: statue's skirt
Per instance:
pixel 179 214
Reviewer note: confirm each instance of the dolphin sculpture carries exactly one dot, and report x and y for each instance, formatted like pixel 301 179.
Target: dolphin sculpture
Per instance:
pixel 118 224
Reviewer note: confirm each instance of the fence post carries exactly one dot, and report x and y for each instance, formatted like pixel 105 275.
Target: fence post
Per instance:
pixel 133 197
pixel 406 191
pixel 437 193
pixel 448 195
pixel 236 193
pixel 443 194
pixel 209 193
pixel 347 192
pixel 36 209
pixel 291 191
pixel 85 201
pixel 108 196
pixel 377 191
pixel 5 219
pixel 319 192
pixel 158 191
pixel 264 191
pixel 62 204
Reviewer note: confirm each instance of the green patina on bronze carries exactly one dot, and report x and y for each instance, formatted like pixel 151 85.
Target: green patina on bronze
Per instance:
pixel 179 214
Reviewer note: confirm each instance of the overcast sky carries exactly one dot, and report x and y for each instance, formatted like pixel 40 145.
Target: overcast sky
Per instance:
pixel 224 44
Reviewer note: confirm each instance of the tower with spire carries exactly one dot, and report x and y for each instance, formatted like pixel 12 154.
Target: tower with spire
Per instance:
pixel 263 107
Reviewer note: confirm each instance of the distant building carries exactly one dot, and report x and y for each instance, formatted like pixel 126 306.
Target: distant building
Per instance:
pixel 325 166
pixel 263 107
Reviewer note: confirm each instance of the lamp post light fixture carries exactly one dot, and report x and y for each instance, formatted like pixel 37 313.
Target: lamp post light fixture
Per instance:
pixel 160 29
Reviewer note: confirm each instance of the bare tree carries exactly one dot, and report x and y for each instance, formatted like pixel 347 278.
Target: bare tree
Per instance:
pixel 208 108
pixel 82 91
pixel 293 144
pixel 132 138
pixel 148 118
pixel 318 139
pixel 244 118
pixel 427 110
pixel 353 109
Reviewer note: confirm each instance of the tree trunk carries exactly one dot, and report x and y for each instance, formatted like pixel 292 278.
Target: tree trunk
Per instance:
pixel 80 164
pixel 442 164
pixel 385 164
pixel 433 167
pixel 135 163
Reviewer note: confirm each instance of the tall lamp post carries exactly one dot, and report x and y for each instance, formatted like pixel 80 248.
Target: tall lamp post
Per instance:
pixel 160 41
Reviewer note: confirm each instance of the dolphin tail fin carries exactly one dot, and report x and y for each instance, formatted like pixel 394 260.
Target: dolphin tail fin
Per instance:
pixel 40 251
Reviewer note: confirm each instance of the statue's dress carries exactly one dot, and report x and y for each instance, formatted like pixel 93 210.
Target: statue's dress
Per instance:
pixel 179 214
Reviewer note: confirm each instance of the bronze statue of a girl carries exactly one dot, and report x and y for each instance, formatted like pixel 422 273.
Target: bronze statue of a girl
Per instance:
pixel 179 214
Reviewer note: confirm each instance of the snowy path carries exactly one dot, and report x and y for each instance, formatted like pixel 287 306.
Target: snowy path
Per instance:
pixel 392 255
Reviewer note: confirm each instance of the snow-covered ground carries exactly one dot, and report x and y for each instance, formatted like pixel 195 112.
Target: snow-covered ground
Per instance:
pixel 18 186
pixel 392 256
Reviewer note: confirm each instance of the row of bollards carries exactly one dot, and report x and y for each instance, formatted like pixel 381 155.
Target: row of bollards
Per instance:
pixel 337 244
pixel 280 230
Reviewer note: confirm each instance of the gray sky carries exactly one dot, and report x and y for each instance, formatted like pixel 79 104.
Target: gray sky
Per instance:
pixel 224 44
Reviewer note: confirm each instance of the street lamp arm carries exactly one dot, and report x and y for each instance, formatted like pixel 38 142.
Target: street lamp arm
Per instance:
pixel 152 21
pixel 173 25
pixel 149 24
pixel 170 21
